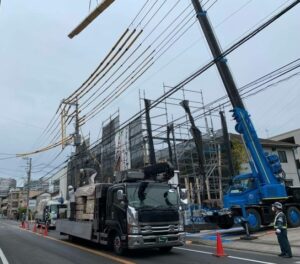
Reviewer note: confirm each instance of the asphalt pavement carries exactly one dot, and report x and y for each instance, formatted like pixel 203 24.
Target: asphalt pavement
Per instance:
pixel 19 246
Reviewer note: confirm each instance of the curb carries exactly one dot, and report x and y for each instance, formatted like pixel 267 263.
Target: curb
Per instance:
pixel 226 246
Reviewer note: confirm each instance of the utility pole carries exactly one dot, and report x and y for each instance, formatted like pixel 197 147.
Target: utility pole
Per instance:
pixel 73 177
pixel 28 186
pixel 77 138
pixel 78 122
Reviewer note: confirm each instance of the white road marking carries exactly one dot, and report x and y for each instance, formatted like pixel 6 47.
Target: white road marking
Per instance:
pixel 2 257
pixel 209 253
pixel 251 260
pixel 193 250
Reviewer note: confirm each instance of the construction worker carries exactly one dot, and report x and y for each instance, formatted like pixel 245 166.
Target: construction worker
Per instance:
pixel 280 225
pixel 72 202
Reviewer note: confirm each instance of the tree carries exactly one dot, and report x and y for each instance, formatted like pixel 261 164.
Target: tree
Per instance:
pixel 22 210
pixel 239 155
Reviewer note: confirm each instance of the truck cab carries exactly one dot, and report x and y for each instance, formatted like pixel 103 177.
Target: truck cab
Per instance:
pixel 49 212
pixel 242 191
pixel 143 214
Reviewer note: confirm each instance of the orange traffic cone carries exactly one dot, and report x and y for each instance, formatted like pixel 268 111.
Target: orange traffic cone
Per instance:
pixel 34 228
pixel 23 224
pixel 219 251
pixel 46 230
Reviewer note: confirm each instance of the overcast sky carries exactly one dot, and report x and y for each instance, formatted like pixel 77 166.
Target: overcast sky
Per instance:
pixel 40 65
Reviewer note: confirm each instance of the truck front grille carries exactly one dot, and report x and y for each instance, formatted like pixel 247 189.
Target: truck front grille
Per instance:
pixel 159 229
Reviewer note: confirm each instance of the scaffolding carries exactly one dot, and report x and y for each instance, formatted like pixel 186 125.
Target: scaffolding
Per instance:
pixel 169 112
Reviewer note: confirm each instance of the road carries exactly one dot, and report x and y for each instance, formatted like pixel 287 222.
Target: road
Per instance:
pixel 19 246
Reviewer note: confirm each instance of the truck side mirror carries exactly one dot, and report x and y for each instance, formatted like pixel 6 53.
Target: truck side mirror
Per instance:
pixel 120 195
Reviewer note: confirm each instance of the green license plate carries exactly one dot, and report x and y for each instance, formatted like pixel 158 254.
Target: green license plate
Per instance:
pixel 162 239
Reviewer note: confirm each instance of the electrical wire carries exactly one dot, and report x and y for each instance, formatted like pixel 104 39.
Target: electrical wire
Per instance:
pixel 130 77
pixel 208 65
pixel 238 44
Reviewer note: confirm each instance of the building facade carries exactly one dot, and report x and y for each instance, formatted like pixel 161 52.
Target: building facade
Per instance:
pixel 5 185
pixel 294 138
pixel 13 201
pixel 37 185
pixel 17 199
pixel 58 183
pixel 3 206
pixel 286 153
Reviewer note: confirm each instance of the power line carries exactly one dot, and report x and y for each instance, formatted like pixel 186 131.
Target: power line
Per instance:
pixel 131 76
pixel 236 45
pixel 208 65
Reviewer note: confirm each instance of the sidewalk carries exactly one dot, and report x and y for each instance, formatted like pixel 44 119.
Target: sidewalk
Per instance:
pixel 266 241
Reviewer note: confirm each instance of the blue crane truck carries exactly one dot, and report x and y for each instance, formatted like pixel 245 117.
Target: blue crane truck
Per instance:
pixel 251 195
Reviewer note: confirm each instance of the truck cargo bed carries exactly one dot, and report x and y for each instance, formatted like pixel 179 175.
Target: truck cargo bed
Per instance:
pixel 74 228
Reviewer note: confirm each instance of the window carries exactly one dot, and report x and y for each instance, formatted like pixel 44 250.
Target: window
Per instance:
pixel 289 182
pixel 56 185
pixel 298 164
pixel 282 156
pixel 115 197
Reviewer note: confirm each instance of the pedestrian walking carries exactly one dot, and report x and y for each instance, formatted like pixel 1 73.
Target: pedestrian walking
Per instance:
pixel 280 225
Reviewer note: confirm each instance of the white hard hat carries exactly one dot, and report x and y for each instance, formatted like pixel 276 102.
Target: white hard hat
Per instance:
pixel 70 187
pixel 277 205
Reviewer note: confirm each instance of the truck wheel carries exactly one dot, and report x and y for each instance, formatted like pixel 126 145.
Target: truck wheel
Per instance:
pixel 225 222
pixel 117 245
pixel 254 220
pixel 293 216
pixel 165 249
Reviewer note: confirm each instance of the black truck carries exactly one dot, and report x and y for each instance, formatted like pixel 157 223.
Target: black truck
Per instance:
pixel 132 214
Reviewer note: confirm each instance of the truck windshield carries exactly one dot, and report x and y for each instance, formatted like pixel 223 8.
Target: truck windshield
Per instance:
pixel 151 195
pixel 242 185
pixel 53 209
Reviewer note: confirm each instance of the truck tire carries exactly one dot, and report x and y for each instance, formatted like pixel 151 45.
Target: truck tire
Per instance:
pixel 225 222
pixel 165 249
pixel 254 220
pixel 117 245
pixel 293 216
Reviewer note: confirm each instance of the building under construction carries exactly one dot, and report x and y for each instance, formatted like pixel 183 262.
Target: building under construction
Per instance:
pixel 158 136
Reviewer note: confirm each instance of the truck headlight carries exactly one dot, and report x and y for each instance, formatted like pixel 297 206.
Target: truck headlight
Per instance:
pixel 181 222
pixel 132 216
pixel 180 227
pixel 132 221
pixel 133 229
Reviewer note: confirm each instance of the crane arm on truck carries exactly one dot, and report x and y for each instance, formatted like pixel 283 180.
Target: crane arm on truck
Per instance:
pixel 244 126
pixel 251 195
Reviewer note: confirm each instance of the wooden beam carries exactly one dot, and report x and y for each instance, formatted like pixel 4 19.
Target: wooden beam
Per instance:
pixel 91 17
